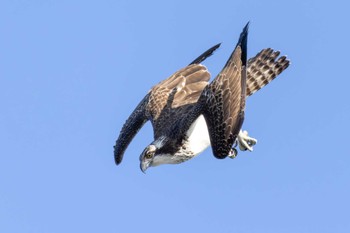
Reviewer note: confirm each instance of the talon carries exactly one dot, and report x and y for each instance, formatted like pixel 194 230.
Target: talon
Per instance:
pixel 245 142
pixel 233 153
pixel 243 147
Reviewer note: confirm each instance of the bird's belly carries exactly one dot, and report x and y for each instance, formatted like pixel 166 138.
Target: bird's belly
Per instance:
pixel 198 137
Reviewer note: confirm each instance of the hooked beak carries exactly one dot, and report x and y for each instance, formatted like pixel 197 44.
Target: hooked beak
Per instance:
pixel 144 166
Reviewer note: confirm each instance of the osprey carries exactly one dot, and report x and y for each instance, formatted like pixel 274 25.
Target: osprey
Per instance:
pixel 188 113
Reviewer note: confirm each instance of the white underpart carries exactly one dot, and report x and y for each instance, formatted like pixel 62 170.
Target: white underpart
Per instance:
pixel 163 159
pixel 198 136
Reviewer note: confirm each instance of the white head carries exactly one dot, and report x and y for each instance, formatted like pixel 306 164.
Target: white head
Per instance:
pixel 147 156
pixel 155 154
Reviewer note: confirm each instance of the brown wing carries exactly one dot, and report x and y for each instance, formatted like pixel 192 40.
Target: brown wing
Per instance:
pixel 162 103
pixel 184 86
pixel 263 68
pixel 177 93
pixel 225 100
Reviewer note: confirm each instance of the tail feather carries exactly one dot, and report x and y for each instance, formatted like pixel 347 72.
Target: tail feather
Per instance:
pixel 263 68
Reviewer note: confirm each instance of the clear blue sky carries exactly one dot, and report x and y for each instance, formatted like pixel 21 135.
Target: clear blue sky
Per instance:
pixel 71 72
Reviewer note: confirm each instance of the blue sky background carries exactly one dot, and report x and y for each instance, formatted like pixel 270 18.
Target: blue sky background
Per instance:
pixel 71 72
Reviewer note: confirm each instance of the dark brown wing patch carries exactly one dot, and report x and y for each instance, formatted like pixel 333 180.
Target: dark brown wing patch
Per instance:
pixel 205 55
pixel 162 103
pixel 185 85
pixel 225 109
pixel 225 100
pixel 132 125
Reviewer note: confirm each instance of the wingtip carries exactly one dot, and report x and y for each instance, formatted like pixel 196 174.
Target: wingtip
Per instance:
pixel 117 158
pixel 217 46
pixel 242 42
pixel 246 27
pixel 117 161
pixel 206 54
pixel 244 34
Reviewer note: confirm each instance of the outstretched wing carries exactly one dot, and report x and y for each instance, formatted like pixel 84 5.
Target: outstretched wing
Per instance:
pixel 263 68
pixel 172 95
pixel 132 125
pixel 225 100
pixel 164 101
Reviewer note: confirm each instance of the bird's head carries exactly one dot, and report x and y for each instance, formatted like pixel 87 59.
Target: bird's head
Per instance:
pixel 147 156
pixel 159 152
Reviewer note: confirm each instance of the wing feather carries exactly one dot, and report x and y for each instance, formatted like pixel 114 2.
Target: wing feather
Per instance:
pixel 225 100
pixel 222 102
pixel 132 125
pixel 162 103
pixel 173 91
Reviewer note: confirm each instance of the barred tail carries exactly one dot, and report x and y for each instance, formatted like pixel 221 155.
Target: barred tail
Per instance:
pixel 263 68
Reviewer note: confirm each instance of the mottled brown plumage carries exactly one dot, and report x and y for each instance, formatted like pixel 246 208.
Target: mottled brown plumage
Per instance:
pixel 176 102
pixel 225 105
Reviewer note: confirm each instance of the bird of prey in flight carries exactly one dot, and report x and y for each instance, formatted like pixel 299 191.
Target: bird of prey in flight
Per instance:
pixel 188 113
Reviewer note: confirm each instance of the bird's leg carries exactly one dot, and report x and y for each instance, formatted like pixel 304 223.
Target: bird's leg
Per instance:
pixel 245 142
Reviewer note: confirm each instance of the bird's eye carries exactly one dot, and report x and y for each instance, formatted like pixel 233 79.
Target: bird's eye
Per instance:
pixel 148 155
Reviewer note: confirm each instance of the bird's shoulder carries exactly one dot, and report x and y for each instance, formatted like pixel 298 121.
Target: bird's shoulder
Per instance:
pixel 181 88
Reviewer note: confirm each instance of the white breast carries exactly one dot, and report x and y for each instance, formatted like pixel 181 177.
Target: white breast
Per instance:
pixel 198 136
